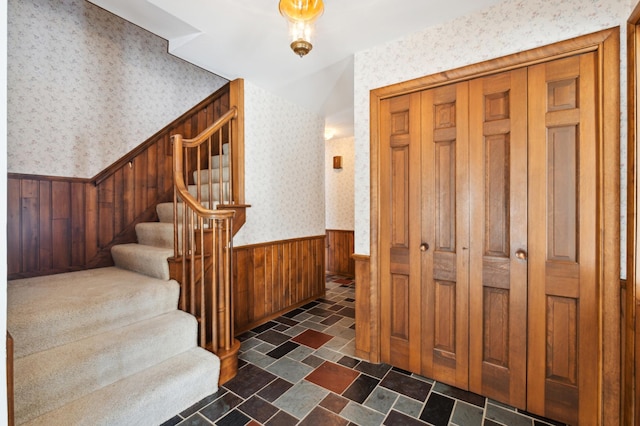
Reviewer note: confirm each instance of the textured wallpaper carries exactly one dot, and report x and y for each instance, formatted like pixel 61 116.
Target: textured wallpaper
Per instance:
pixel 508 27
pixel 284 169
pixel 85 87
pixel 338 184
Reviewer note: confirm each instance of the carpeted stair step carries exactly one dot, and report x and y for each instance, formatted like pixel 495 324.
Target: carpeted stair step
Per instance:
pixel 149 397
pixel 49 379
pixel 156 234
pixel 165 211
pixel 204 191
pixel 215 175
pixel 45 312
pixel 147 260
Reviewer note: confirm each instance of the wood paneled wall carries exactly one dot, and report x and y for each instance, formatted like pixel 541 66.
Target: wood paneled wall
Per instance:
pixel 61 224
pixel 272 278
pixel 367 309
pixel 339 251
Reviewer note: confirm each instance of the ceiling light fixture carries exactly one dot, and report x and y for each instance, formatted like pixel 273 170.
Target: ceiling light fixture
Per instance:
pixel 301 15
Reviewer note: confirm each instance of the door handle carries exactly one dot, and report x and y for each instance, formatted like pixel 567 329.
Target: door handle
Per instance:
pixel 424 247
pixel 521 254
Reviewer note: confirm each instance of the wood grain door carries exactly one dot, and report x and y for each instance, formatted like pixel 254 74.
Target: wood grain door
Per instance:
pixel 399 233
pixel 445 234
pixel 498 232
pixel 563 350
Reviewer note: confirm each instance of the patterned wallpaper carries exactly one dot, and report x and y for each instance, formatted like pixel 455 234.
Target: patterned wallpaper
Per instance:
pixel 338 184
pixel 284 169
pixel 85 87
pixel 508 27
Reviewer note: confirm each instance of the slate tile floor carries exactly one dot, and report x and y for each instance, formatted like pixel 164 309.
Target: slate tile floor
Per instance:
pixel 300 369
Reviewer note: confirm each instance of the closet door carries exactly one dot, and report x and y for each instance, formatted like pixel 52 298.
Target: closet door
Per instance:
pixel 563 299
pixel 498 228
pixel 399 233
pixel 445 235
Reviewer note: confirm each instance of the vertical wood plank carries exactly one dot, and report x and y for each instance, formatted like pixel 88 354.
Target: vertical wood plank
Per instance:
pixel 14 225
pixel 105 212
pixel 61 218
pixel 91 221
pixel 78 217
pixel 140 183
pixel 30 226
pixel 152 175
pixel 259 282
pixel 118 196
pixel 128 194
pixel 46 244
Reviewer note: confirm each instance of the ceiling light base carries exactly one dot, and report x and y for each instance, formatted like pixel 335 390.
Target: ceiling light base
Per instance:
pixel 301 47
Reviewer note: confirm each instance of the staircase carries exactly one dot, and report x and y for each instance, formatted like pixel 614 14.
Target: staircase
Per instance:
pixel 109 346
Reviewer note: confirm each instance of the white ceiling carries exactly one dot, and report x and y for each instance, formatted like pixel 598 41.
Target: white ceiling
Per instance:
pixel 249 39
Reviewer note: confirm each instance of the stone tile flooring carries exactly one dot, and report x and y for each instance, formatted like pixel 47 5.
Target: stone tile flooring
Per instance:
pixel 300 369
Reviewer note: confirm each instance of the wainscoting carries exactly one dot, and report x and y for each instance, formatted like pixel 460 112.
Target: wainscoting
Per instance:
pixel 273 277
pixel 339 251
pixel 63 224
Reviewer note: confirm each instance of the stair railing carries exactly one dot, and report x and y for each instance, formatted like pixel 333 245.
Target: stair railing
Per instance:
pixel 203 235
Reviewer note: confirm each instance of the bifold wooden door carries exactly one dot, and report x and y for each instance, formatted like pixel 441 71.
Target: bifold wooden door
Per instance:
pixel 563 341
pixel 498 229
pixel 400 288
pixel 445 234
pixel 487 238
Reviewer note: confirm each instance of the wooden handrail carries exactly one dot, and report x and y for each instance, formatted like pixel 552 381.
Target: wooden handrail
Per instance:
pixel 203 238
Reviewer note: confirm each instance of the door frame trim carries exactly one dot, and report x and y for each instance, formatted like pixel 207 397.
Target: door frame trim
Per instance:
pixel 606 44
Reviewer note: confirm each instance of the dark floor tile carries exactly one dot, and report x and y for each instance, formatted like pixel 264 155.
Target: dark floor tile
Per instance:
pixel 333 377
pixel 220 406
pixel 405 385
pixel 173 421
pixel 195 420
pixel 326 301
pixel 542 419
pixel 275 389
pixel 331 320
pixel 347 312
pixel 320 416
pixel 274 337
pixel 396 418
pixel 245 336
pixel 249 380
pixel 400 370
pixel 319 312
pixel 282 350
pixel 437 411
pixel 488 422
pixel 282 419
pixel 470 397
pixel 343 281
pixel 348 299
pixel 313 339
pixel 361 388
pixel 348 361
pixel 258 409
pixel 335 308
pixel 287 321
pixel 353 326
pixel 309 305
pixel 375 370
pixel 242 363
pixel 234 418
pixel 334 403
pixel 264 327
pixel 203 402
pixel 281 327
pixel 293 313
pixel 313 361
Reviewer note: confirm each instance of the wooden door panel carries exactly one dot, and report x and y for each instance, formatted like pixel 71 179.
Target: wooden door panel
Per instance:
pixel 445 229
pixel 563 319
pixel 400 231
pixel 498 280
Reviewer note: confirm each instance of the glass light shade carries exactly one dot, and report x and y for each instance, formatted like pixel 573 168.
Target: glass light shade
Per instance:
pixel 301 15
